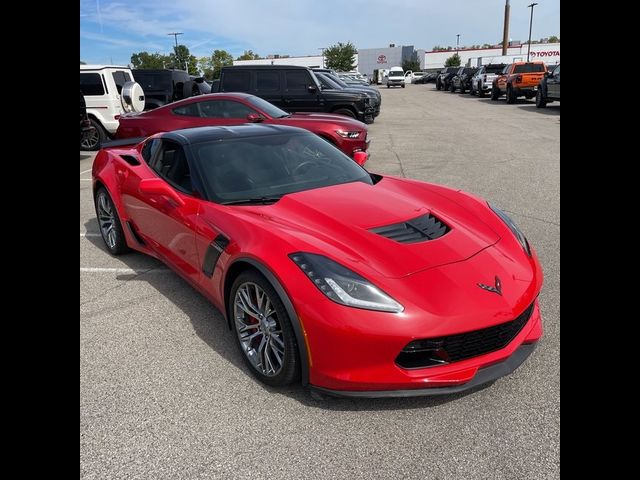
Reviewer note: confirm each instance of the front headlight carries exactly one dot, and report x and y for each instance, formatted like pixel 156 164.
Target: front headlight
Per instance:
pixel 347 134
pixel 343 286
pixel 513 227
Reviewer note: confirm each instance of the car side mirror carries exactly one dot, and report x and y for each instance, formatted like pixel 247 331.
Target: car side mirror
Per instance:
pixel 157 186
pixel 254 118
pixel 361 157
pixel 312 89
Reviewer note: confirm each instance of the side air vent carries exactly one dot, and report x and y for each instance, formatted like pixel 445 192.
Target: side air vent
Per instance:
pixel 212 254
pixel 130 159
pixel 420 229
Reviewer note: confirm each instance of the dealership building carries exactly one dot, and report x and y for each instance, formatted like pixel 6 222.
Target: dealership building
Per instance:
pixel 369 59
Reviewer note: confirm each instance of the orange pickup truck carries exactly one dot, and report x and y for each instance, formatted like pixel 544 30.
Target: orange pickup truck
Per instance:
pixel 520 79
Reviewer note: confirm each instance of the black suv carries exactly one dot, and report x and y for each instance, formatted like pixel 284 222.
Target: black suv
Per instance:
pixel 443 80
pixel 331 82
pixel 165 86
pixel 294 89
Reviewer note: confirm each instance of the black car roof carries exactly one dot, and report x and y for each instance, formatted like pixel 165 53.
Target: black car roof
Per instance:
pixel 190 136
pixel 265 67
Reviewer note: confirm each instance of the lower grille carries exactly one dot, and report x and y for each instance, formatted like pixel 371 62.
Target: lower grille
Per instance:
pixel 430 352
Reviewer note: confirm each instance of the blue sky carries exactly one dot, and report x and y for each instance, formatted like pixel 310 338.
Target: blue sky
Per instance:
pixel 110 31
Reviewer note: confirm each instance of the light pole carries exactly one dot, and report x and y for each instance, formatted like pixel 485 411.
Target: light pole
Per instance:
pixel 175 35
pixel 530 25
pixel 457 43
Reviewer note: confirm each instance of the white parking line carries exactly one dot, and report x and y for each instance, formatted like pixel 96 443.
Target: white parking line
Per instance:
pixel 87 234
pixel 85 171
pixel 85 179
pixel 129 271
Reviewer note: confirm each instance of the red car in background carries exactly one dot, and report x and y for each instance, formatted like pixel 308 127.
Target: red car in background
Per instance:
pixel 227 109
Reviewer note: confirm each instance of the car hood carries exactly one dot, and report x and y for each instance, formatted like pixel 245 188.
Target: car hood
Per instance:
pixel 336 221
pixel 303 117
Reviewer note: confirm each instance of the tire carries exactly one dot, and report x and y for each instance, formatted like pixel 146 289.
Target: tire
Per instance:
pixel 109 223
pixel 272 357
pixel 403 85
pixel 511 95
pixel 452 87
pixel 480 91
pixel 93 143
pixel 344 111
pixel 461 88
pixel 540 100
pixel 388 86
pixel 438 85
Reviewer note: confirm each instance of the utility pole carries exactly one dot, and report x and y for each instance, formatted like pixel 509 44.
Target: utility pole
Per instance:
pixel 457 43
pixel 505 34
pixel 323 49
pixel 175 35
pixel 530 24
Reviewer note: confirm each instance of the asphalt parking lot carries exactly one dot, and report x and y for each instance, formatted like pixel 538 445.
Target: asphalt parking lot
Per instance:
pixel 163 390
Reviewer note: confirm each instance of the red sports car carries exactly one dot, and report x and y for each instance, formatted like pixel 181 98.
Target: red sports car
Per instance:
pixel 218 109
pixel 353 283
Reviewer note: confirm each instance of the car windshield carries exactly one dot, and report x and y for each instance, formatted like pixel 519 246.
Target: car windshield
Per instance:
pixel 262 169
pixel 266 107
pixel 494 68
pixel 529 68
pixel 396 73
pixel 328 81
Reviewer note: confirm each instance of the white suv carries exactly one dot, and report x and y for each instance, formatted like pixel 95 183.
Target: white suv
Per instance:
pixel 109 91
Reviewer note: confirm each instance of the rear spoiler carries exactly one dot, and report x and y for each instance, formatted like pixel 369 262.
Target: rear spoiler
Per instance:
pixel 122 143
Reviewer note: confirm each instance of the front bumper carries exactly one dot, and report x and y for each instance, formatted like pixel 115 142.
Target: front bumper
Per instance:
pixel 484 375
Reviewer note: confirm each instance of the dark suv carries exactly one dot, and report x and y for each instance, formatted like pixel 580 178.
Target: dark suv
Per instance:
pixel 165 86
pixel 294 89
pixel 444 79
pixel 330 82
pixel 462 79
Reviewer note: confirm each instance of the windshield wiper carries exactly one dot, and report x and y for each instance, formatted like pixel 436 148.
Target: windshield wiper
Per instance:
pixel 249 201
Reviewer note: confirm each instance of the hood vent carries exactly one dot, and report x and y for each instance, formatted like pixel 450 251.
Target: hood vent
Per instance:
pixel 420 229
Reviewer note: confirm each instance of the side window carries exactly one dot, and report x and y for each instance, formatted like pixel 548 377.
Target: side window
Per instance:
pixel 150 148
pixel 267 81
pixel 556 72
pixel 236 81
pixel 91 84
pixel 171 164
pixel 188 110
pixel 297 80
pixel 120 78
pixel 224 109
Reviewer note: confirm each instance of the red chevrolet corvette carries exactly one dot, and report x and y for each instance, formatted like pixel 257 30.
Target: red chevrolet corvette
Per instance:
pixel 218 109
pixel 353 283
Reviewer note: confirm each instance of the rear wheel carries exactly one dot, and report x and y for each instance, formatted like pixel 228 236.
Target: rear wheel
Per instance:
pixel 109 222
pixel 495 93
pixel 480 92
pixel 345 111
pixel 263 330
pixel 92 142
pixel 438 85
pixel 511 94
pixel 540 100
pixel 452 87
pixel 461 88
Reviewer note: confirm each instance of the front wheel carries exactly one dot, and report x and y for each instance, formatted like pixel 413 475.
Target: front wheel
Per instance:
pixel 511 95
pixel 438 85
pixel 109 222
pixel 480 92
pixel 495 93
pixel 403 85
pixel 93 141
pixel 540 100
pixel 462 88
pixel 345 111
pixel 263 330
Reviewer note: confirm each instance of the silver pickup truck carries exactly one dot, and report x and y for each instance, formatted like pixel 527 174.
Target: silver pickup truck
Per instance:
pixel 483 79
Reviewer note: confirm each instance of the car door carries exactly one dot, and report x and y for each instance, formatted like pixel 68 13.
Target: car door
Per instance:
pixel 165 226
pixel 300 92
pixel 553 83
pixel 268 85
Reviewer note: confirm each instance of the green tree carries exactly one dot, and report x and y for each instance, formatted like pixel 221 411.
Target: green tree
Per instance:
pixel 411 64
pixel 181 57
pixel 146 60
pixel 249 55
pixel 486 45
pixel 452 61
pixel 554 39
pixel 211 66
pixel 340 56
pixel 82 63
